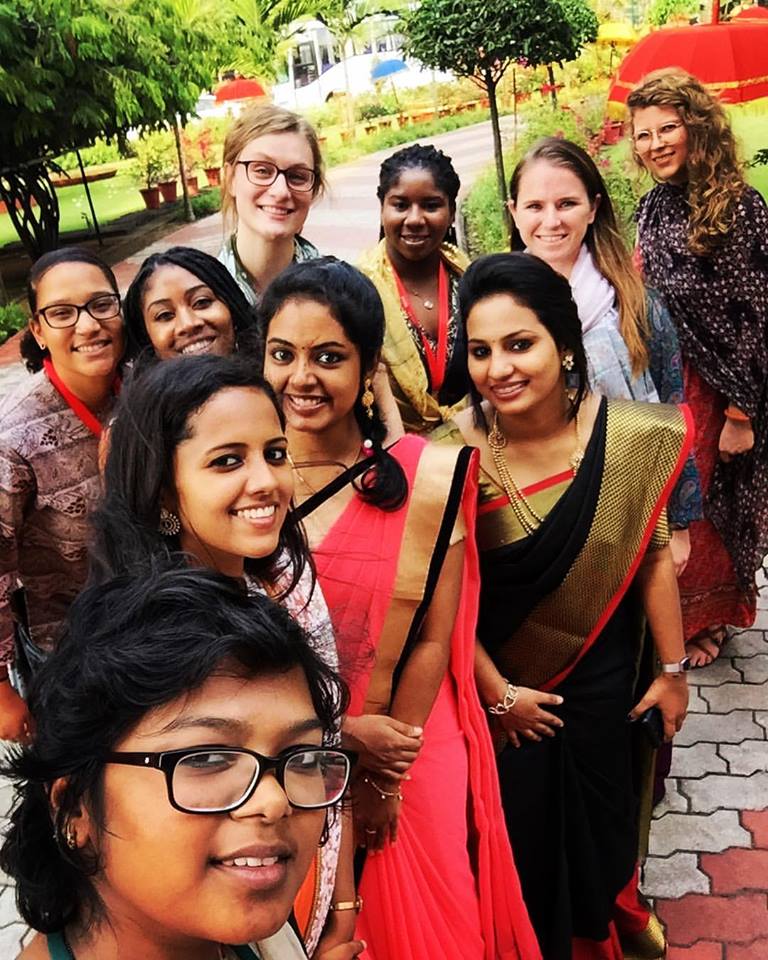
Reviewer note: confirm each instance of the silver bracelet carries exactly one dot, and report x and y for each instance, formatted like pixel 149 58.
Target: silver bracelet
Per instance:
pixel 505 705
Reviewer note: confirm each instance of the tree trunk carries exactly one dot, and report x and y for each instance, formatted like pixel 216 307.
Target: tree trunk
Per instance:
pixel 37 226
pixel 189 214
pixel 553 90
pixel 349 107
pixel 490 86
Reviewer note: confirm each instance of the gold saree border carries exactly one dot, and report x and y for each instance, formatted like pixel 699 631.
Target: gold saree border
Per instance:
pixel 399 352
pixel 645 448
pixel 425 518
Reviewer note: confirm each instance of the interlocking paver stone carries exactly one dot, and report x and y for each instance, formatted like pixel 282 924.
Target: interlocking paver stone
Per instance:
pixel 696 760
pixel 673 802
pixel 756 821
pixel 703 832
pixel 745 758
pixel 739 919
pixel 696 703
pixel 757 950
pixel 753 669
pixel 719 671
pixel 717 728
pixel 736 870
pixel 736 696
pixel 673 877
pixel 716 792
pixel 748 643
pixel 761 716
pixel 761 622
pixel 699 951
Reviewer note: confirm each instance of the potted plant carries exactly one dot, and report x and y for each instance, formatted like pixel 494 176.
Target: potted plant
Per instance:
pixel 168 175
pixel 149 165
pixel 192 162
pixel 209 156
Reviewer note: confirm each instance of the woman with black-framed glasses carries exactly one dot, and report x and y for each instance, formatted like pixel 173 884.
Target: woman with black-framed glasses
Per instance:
pixel 273 172
pixel 49 434
pixel 200 853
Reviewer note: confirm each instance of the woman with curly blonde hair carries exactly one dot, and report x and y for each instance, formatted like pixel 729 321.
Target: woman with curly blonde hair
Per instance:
pixel 703 239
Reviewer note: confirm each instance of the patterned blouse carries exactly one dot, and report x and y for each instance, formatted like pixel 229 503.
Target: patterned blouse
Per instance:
pixel 49 482
pixel 228 255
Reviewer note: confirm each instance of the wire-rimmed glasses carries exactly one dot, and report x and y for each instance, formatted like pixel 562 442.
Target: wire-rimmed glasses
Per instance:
pixel 106 306
pixel 216 779
pixel 665 134
pixel 263 173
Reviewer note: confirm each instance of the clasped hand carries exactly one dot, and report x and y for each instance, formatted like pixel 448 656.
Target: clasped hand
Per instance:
pixel 385 746
pixel 528 718
pixel 670 694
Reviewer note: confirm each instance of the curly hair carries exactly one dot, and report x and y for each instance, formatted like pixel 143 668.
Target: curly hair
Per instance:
pixel 428 158
pixel 715 173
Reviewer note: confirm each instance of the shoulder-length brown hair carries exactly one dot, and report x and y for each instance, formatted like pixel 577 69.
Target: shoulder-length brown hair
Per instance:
pixel 715 173
pixel 604 240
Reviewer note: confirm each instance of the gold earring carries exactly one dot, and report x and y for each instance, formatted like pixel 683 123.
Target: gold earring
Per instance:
pixel 567 362
pixel 367 398
pixel 70 837
pixel 170 525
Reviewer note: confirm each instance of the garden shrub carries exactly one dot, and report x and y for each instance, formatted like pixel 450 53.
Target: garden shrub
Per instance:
pixel 208 201
pixel 12 319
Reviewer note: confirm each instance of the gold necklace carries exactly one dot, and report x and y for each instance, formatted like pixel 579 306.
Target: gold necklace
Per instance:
pixel 528 518
pixel 364 448
pixel 429 304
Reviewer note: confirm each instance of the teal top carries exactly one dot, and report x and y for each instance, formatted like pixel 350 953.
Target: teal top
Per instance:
pixel 58 949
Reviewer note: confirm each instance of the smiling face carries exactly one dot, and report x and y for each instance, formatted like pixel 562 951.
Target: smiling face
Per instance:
pixel 513 360
pixel 313 366
pixel 415 215
pixel 172 875
pixel 274 212
pixel 233 480
pixel 660 140
pixel 184 317
pixel 552 213
pixel 91 348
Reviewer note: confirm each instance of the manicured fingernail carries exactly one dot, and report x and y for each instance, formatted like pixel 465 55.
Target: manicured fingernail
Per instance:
pixel 417 731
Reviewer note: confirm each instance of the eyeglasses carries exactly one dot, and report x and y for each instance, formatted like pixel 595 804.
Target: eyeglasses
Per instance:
pixel 220 779
pixel 263 173
pixel 664 133
pixel 59 315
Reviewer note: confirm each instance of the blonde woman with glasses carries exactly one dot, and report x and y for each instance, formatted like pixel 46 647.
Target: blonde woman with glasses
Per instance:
pixel 703 239
pixel 273 172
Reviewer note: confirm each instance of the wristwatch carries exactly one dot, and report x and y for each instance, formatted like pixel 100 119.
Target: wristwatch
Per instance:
pixel 679 666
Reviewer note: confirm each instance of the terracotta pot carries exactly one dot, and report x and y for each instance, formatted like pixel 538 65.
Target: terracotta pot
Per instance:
pixel 385 124
pixel 151 197
pixel 370 128
pixel 347 135
pixel 214 176
pixel 168 191
pixel 192 186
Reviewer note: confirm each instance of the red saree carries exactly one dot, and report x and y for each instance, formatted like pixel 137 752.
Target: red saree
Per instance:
pixel 448 888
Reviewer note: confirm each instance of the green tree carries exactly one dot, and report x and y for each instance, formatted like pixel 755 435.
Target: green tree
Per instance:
pixel 74 70
pixel 480 40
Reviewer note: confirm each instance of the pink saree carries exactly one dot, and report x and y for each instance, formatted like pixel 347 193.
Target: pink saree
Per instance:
pixel 448 888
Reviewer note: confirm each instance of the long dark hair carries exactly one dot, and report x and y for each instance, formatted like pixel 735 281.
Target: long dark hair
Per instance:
pixel 130 645
pixel 426 157
pixel 152 418
pixel 209 271
pixel 355 304
pixel 30 350
pixel 532 283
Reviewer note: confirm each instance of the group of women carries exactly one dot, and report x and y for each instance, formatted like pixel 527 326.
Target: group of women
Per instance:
pixel 283 574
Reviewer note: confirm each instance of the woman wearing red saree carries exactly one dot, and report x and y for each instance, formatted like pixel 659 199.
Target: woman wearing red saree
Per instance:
pixel 390 531
pixel 573 558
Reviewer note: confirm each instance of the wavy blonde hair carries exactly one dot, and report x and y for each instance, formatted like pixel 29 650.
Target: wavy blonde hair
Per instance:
pixel 715 173
pixel 259 121
pixel 604 241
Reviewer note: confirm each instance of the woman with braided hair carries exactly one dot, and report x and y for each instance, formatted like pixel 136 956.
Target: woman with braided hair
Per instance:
pixel 703 239
pixel 390 529
pixel 416 269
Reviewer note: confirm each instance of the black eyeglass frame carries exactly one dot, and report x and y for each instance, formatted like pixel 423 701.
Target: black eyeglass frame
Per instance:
pixel 168 760
pixel 80 308
pixel 278 170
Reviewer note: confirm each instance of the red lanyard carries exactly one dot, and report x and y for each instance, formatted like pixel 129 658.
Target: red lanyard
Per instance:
pixel 436 362
pixel 74 403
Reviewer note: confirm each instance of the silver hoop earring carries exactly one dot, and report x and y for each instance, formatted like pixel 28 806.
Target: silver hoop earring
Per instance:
pixel 170 525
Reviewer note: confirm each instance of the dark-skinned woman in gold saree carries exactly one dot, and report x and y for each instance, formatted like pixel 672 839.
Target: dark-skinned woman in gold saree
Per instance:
pixel 573 538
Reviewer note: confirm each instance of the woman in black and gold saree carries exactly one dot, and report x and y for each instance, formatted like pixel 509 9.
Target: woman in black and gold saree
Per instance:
pixel 574 560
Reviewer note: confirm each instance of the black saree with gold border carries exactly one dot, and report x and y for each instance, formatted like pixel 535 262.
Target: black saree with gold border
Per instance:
pixel 557 612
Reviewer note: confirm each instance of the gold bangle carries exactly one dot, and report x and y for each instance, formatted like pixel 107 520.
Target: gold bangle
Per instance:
pixel 733 413
pixel 384 794
pixel 356 905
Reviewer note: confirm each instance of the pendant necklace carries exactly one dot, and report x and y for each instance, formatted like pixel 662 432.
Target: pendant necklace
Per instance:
pixel 528 518
pixel 428 303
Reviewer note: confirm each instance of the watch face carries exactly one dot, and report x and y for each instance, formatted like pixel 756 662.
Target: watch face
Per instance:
pixel 685 663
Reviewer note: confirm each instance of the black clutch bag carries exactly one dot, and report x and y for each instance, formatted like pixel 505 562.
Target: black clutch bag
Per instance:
pixel 28 656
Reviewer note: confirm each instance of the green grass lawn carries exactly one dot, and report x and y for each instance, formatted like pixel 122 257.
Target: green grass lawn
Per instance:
pixel 112 199
pixel 750 124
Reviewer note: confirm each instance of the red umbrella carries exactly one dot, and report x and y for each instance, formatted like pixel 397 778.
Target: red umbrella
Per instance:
pixel 728 58
pixel 751 13
pixel 240 89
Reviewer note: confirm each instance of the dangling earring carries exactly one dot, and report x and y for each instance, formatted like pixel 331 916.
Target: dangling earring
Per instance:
pixel 70 837
pixel 367 398
pixel 567 362
pixel 170 525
